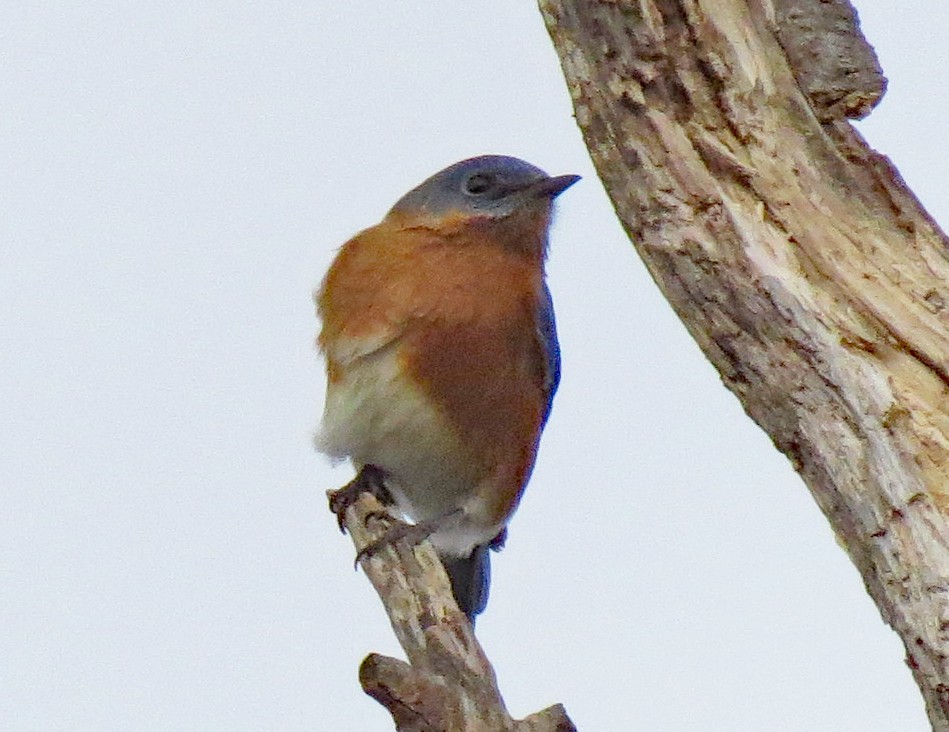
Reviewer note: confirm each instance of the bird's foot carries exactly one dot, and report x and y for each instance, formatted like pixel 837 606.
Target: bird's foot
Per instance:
pixel 369 479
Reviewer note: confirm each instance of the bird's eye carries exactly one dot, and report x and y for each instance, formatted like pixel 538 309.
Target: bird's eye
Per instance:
pixel 479 183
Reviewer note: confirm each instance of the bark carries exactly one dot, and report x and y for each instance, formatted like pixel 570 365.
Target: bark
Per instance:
pixel 448 684
pixel 799 261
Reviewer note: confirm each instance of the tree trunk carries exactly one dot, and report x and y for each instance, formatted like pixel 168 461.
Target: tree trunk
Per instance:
pixel 795 255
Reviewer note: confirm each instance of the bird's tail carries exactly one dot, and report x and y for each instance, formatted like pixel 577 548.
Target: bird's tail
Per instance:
pixel 470 580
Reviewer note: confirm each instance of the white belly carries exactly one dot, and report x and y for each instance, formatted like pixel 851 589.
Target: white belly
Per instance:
pixel 375 416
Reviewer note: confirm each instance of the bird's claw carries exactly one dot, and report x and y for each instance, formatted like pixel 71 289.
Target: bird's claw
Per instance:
pixel 369 479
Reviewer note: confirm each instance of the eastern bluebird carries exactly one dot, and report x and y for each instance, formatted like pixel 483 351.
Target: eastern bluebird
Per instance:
pixel 442 357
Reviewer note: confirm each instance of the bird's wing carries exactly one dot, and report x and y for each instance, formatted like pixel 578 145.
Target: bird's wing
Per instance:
pixel 547 334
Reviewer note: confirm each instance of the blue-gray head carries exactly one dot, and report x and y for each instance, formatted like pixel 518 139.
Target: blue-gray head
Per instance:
pixel 493 186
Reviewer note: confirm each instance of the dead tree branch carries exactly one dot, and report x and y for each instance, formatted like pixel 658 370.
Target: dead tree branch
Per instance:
pixel 448 684
pixel 807 272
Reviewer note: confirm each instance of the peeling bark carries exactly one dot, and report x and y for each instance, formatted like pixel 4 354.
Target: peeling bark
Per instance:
pixel 798 259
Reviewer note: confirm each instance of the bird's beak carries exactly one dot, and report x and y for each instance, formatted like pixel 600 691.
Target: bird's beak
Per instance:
pixel 553 187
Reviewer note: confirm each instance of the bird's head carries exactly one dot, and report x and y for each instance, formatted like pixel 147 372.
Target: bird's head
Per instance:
pixel 486 190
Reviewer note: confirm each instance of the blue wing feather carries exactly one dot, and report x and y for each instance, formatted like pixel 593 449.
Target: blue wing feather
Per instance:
pixel 547 329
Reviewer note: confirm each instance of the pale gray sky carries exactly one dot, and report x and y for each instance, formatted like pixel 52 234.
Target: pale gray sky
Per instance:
pixel 176 180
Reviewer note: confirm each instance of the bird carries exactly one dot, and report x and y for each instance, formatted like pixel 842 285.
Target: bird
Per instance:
pixel 442 358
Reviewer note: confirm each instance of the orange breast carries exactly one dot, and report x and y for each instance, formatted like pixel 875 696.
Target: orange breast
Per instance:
pixel 463 310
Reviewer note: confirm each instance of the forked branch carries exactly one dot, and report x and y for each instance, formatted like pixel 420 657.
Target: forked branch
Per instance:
pixel 448 684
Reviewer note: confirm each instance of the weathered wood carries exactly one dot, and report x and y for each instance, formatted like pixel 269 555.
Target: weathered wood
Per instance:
pixel 448 685
pixel 795 255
